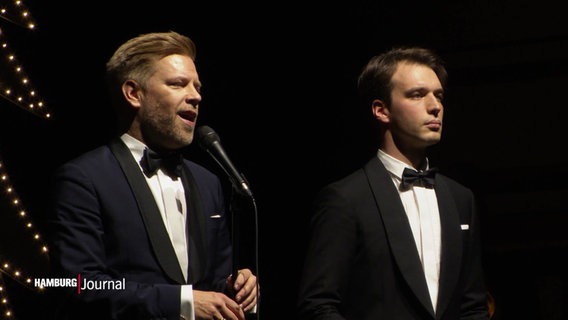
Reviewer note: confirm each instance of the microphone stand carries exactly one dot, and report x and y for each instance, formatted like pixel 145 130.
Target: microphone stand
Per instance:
pixel 236 208
pixel 237 202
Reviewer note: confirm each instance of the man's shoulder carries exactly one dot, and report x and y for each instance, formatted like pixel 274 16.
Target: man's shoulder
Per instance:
pixel 92 156
pixel 96 161
pixel 348 182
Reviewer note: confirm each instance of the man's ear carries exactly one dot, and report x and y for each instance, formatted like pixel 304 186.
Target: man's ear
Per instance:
pixel 380 111
pixel 132 91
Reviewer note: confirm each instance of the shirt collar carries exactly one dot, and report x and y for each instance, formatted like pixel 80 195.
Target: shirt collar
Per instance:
pixel 135 146
pixel 395 166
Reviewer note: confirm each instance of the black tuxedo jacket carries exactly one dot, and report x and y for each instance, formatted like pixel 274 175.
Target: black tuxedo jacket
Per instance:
pixel 362 262
pixel 107 226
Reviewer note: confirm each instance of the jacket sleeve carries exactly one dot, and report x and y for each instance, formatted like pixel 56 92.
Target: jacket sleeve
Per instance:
pixel 328 257
pixel 80 248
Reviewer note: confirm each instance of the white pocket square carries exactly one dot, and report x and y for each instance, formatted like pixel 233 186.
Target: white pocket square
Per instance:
pixel 215 216
pixel 465 226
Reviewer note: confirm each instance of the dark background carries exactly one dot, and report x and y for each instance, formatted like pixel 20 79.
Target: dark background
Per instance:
pixel 279 89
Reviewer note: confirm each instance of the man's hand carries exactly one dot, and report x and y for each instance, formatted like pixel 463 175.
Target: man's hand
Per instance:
pixel 210 305
pixel 245 288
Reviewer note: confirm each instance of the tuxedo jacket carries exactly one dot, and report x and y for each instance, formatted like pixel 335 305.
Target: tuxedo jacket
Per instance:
pixel 362 262
pixel 106 226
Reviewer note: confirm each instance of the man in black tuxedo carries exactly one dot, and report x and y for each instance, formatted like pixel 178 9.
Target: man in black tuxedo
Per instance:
pixel 144 229
pixel 395 240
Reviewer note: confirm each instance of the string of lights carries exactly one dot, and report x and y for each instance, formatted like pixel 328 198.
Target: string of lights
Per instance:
pixel 16 87
pixel 18 207
pixel 17 13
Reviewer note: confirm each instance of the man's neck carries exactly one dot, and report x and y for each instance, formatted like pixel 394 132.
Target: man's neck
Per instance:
pixel 414 158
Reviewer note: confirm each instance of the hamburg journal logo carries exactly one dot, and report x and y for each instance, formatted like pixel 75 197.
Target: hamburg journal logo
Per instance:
pixel 82 284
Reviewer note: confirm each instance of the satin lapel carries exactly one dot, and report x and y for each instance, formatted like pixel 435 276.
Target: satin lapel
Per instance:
pixel 157 232
pixel 397 229
pixel 196 225
pixel 451 244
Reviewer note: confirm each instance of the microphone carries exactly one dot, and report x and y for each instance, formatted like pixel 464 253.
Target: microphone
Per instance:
pixel 209 141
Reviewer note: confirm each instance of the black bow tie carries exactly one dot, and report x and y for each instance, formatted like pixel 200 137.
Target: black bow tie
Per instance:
pixel 411 176
pixel 171 163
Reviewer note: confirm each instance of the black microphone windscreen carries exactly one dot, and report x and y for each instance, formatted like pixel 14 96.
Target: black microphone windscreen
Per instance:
pixel 206 136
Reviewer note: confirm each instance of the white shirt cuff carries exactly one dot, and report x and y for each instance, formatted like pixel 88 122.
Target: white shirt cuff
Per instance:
pixel 186 303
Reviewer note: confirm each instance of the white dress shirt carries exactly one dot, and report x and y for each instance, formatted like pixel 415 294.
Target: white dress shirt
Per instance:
pixel 157 183
pixel 421 207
